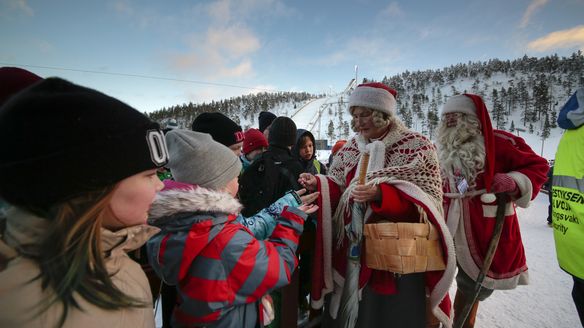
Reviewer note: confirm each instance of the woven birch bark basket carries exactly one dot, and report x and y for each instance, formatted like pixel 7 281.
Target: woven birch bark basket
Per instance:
pixel 403 247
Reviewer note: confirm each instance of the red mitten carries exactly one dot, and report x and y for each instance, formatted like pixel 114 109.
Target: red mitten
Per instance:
pixel 503 183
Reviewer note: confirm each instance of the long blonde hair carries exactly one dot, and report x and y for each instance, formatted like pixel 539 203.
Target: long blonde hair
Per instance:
pixel 71 258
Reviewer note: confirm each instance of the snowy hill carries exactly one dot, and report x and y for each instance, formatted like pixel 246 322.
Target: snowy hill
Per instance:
pixel 523 96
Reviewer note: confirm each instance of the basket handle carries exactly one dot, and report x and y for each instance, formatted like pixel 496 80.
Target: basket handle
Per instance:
pixel 423 215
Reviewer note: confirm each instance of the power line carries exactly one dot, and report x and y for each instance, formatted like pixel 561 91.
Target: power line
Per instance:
pixel 142 76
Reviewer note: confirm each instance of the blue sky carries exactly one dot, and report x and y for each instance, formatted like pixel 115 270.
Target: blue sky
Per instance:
pixel 198 51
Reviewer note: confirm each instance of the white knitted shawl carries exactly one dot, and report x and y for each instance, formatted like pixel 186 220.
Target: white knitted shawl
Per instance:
pixel 401 155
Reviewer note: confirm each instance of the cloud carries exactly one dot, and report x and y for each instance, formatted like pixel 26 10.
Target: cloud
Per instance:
pixel 373 50
pixel 219 41
pixel 242 69
pixel 122 7
pixel 222 52
pixel 9 6
pixel 531 9
pixel 44 46
pixel 222 11
pixel 141 16
pixel 234 41
pixel 573 37
pixel 392 10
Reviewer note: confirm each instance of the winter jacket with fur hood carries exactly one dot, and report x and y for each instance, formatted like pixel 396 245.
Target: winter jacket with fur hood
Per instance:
pixel 221 271
pixel 20 293
pixel 263 222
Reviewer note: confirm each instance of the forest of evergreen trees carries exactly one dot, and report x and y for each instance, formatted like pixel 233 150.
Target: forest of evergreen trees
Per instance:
pixel 533 87
pixel 247 107
pixel 529 85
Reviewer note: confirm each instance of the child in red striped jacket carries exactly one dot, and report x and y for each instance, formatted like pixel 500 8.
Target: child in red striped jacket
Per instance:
pixel 221 271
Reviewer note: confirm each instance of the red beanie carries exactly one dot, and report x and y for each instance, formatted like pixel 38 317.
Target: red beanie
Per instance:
pixel 253 139
pixel 14 79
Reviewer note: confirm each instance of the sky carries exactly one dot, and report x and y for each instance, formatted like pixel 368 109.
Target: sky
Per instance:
pixel 155 54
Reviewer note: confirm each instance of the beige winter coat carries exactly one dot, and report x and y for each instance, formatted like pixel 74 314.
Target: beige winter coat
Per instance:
pixel 19 293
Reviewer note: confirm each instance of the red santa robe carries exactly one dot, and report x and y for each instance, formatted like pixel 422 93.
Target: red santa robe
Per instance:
pixel 471 220
pixel 405 166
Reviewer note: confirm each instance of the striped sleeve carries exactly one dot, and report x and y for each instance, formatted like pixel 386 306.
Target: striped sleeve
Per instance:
pixel 261 266
pixel 238 269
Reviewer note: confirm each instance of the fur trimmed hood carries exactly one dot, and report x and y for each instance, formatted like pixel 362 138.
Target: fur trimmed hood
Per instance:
pixel 197 199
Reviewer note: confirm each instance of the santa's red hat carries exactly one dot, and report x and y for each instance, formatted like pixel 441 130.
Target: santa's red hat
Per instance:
pixel 374 95
pixel 474 105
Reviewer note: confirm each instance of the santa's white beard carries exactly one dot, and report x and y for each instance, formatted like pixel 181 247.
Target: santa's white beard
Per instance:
pixel 461 151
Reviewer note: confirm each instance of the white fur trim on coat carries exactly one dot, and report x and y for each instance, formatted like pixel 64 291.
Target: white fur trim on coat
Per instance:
pixel 175 201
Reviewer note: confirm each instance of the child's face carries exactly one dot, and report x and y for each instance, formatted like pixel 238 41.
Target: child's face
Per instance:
pixel 131 200
pixel 236 148
pixel 307 149
pixel 232 186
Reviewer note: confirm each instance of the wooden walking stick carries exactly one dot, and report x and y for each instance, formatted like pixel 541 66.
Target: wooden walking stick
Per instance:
pixel 493 243
pixel 349 307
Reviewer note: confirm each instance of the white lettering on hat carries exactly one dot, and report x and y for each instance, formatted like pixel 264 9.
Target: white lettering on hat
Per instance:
pixel 239 136
pixel 157 145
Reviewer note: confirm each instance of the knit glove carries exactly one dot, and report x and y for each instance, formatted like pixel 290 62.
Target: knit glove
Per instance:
pixel 503 183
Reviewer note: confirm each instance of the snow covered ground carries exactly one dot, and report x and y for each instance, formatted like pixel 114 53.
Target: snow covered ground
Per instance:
pixel 546 301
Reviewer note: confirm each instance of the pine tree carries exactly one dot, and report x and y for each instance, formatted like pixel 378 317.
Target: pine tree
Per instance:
pixel 475 87
pixel 541 98
pixel 545 132
pixel 345 130
pixel 432 118
pixel 331 130
pixel 498 111
pixel 525 102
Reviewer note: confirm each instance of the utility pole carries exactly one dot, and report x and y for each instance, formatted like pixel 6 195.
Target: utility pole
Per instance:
pixel 356 71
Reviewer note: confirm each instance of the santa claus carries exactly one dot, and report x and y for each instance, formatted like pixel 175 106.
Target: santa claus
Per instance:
pixel 403 184
pixel 477 162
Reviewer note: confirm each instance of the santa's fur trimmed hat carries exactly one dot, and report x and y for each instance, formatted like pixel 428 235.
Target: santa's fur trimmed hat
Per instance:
pixel 374 95
pixel 474 105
